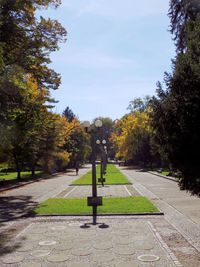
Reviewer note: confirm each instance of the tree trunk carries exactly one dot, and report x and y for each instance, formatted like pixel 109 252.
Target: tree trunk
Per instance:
pixel 33 169
pixel 18 174
pixel 17 166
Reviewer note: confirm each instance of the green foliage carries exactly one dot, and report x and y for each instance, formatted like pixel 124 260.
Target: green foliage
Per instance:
pixel 27 127
pixel 176 111
pixel 110 205
pixel 139 104
pixel 77 143
pixel 69 115
pixel 104 133
pixel 133 138
pixel 27 41
pixel 180 12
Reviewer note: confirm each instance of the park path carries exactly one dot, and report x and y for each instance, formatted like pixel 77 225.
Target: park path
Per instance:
pixel 181 209
pixel 19 202
pixel 57 241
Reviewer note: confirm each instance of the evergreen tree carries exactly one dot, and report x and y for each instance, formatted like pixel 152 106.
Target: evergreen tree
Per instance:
pixel 180 12
pixel 69 115
pixel 176 110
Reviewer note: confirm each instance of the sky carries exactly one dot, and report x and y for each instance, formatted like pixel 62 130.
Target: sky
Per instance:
pixel 116 50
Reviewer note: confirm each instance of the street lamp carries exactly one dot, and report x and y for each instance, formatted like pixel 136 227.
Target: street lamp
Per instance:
pixel 103 149
pixel 93 201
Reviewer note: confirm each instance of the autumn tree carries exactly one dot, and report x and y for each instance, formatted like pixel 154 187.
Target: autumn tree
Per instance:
pixel 27 42
pixel 54 157
pixel 25 78
pixel 132 137
pixel 77 143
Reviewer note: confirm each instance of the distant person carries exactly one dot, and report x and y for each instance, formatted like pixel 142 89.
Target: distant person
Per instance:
pixel 77 168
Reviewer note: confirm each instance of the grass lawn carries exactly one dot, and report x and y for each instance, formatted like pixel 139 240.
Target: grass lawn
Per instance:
pixel 78 206
pixel 13 175
pixel 113 176
pixel 164 173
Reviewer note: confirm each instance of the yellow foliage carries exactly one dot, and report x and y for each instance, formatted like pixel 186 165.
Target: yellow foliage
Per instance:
pixel 128 131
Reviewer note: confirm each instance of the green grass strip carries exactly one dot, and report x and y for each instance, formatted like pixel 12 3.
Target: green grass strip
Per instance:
pixel 13 175
pixel 113 176
pixel 78 206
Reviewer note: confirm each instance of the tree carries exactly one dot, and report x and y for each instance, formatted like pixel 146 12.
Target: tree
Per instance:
pixel 105 132
pixel 180 12
pixel 77 143
pixel 26 118
pixel 176 111
pixel 139 104
pixel 69 115
pixel 26 41
pixel 132 138
pixel 25 79
pixel 54 157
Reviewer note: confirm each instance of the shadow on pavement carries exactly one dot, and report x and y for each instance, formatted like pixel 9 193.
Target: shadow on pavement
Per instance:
pixel 13 208
pixel 6 246
pixel 89 225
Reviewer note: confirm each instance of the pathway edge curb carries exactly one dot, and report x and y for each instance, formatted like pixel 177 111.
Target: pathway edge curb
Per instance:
pixel 163 176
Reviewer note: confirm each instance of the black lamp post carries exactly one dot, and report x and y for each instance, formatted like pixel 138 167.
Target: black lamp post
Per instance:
pixel 93 201
pixel 103 149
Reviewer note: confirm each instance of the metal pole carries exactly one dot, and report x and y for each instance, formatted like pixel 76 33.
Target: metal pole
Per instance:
pixel 102 171
pixel 94 183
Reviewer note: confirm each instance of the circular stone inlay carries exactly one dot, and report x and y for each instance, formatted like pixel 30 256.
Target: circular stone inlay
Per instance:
pixel 81 252
pixel 103 245
pixel 58 257
pixel 123 250
pixel 30 264
pixel 12 259
pixel 148 258
pixel 58 228
pixel 47 243
pixel 40 253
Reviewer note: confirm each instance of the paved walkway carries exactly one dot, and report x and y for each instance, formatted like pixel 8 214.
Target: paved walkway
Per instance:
pixel 116 243
pixel 20 201
pixel 72 241
pixel 181 209
pixel 106 191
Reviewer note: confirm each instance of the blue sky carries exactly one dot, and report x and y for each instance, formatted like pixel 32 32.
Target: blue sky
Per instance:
pixel 115 51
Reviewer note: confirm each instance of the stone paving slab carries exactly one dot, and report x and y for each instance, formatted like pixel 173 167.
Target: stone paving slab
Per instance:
pixel 106 191
pixel 58 244
pixel 183 215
